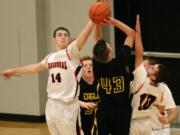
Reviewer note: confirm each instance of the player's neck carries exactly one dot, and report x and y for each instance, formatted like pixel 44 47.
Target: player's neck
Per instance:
pixel 153 83
pixel 58 48
pixel 89 80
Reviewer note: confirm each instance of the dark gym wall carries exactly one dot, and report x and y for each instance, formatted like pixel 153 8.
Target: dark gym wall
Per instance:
pixel 160 26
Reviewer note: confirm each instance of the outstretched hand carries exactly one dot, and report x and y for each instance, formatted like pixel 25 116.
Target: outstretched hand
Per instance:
pixel 7 74
pixel 107 21
pixel 107 2
pixel 104 1
pixel 138 27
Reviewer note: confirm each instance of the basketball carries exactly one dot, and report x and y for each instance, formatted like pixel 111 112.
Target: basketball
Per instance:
pixel 99 11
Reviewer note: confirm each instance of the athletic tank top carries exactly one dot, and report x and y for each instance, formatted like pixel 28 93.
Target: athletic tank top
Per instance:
pixel 62 82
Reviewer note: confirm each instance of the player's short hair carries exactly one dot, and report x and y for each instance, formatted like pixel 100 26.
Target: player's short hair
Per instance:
pixel 60 28
pixel 162 74
pixel 85 58
pixel 101 51
pixel 151 60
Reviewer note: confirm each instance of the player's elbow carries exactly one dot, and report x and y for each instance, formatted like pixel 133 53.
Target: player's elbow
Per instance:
pixel 174 113
pixel 131 34
pixel 131 38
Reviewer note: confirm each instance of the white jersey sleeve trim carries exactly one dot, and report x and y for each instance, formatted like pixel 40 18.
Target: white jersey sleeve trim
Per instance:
pixel 44 61
pixel 73 53
pixel 73 50
pixel 140 75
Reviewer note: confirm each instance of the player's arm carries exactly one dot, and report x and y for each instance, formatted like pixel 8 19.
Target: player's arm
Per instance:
pixel 29 69
pixel 82 38
pixel 140 73
pixel 97 32
pixel 87 105
pixel 170 106
pixel 130 33
pixel 138 44
pixel 172 115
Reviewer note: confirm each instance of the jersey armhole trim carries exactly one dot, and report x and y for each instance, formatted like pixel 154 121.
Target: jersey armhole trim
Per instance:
pixel 48 57
pixel 68 54
pixel 139 88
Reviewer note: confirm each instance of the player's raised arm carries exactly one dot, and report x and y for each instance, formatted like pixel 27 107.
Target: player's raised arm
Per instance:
pixel 130 33
pixel 82 38
pixel 29 69
pixel 138 43
pixel 97 32
pixel 98 27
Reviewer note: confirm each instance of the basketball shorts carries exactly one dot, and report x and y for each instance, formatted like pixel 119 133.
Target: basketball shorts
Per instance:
pixel 61 117
pixel 141 126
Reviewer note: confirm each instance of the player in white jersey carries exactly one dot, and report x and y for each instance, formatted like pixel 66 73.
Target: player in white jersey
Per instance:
pixel 145 88
pixel 62 106
pixel 161 123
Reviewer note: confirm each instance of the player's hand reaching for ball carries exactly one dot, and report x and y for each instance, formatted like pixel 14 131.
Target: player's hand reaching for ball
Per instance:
pixel 108 21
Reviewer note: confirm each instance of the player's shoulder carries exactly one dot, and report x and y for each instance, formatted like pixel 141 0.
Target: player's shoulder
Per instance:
pixel 140 69
pixel 72 44
pixel 164 87
pixel 48 55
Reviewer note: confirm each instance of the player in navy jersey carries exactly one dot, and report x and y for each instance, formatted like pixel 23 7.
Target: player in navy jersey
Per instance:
pixel 88 97
pixel 114 111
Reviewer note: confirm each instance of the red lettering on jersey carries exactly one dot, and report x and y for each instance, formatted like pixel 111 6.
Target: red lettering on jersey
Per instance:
pixel 62 65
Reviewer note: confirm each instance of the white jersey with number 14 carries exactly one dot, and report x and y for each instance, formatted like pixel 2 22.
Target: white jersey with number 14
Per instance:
pixel 62 82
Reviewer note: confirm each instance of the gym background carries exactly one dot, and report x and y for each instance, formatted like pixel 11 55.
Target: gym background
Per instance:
pixel 26 29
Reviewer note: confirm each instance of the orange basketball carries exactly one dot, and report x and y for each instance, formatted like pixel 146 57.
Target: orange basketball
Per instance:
pixel 99 11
